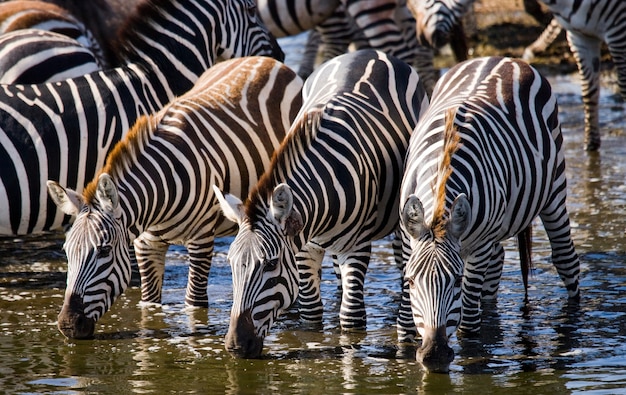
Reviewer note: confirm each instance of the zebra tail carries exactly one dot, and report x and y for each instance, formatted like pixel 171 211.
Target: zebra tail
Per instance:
pixel 526 264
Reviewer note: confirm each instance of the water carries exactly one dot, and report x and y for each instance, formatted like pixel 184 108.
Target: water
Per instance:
pixel 170 349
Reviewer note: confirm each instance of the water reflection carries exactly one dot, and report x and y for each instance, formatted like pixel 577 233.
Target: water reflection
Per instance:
pixel 554 347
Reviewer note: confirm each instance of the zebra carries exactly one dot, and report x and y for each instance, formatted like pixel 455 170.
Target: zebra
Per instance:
pixel 484 160
pixel 386 25
pixel 63 130
pixel 30 56
pixel 339 30
pixel 155 189
pixel 33 14
pixel 332 186
pixel 588 24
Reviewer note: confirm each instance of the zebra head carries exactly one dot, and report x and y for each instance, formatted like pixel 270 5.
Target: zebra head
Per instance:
pixel 434 273
pixel 98 256
pixel 435 19
pixel 265 275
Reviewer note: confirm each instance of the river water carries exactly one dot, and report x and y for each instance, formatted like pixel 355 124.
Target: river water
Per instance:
pixel 170 349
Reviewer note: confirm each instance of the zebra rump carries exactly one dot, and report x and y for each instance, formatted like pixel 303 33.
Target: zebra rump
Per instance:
pixel 332 186
pixel 155 189
pixel 484 161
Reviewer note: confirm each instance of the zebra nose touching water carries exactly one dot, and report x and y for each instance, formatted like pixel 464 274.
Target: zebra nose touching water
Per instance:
pixel 332 186
pixel 155 188
pixel 484 161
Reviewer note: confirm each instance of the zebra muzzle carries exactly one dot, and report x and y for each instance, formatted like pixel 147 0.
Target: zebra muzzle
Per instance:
pixel 241 339
pixel 72 321
pixel 435 354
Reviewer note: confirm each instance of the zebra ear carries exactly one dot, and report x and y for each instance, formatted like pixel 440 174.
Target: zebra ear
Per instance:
pixel 106 192
pixel 232 207
pixel 282 210
pixel 459 216
pixel 68 201
pixel 412 217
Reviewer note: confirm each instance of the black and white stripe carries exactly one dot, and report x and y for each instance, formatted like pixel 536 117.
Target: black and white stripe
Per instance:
pixel 588 25
pixel 332 186
pixel 156 187
pixel 484 161
pixel 62 131
pixel 385 25
pixel 43 15
pixel 30 56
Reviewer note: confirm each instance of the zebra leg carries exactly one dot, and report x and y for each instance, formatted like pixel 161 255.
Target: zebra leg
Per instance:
pixel 200 252
pixel 405 325
pixel 309 261
pixel 476 267
pixel 564 257
pixel 150 253
pixel 353 265
pixel 494 273
pixel 544 40
pixel 586 50
pixel 309 57
pixel 618 53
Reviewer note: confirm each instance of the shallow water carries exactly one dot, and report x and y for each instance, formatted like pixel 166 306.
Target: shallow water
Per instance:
pixel 167 348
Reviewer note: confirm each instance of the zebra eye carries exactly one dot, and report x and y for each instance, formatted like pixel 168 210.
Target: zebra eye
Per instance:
pixel 104 251
pixel 270 264
pixel 411 282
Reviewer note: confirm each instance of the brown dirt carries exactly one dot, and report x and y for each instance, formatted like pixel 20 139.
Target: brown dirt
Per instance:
pixel 502 27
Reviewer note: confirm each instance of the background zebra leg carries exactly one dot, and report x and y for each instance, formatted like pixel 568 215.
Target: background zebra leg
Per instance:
pixel 494 273
pixel 586 50
pixel 309 261
pixel 150 256
pixel 618 54
pixel 353 265
pixel 200 255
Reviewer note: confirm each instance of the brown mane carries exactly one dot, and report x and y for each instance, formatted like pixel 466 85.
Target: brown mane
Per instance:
pixel 300 135
pixel 451 143
pixel 119 155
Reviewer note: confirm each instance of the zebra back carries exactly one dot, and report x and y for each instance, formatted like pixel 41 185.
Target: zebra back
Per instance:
pixel 62 131
pixel 29 56
pixel 155 188
pixel 460 200
pixel 332 185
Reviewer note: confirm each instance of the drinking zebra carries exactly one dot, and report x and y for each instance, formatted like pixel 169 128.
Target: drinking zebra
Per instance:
pixel 483 162
pixel 332 186
pixel 63 131
pixel 29 56
pixel 155 188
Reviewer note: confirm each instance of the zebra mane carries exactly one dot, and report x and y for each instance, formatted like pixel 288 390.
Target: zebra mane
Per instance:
pixel 299 137
pixel 451 143
pixel 124 150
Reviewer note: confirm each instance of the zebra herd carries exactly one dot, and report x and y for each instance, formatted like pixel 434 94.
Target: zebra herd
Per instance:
pixel 202 132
